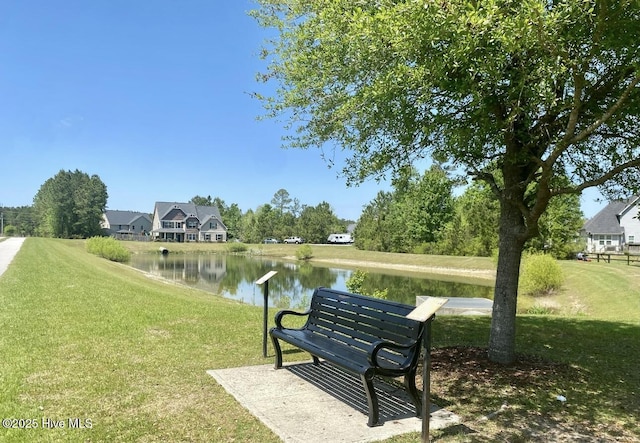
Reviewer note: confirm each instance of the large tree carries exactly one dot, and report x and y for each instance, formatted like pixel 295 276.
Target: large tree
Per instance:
pixel 70 205
pixel 514 92
pixel 281 200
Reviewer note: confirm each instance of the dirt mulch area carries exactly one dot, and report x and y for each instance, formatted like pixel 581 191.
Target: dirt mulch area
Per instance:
pixel 513 403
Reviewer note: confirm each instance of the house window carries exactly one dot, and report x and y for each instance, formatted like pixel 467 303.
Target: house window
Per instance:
pixel 192 224
pixel 219 237
pixel 632 239
pixel 213 225
pixel 191 237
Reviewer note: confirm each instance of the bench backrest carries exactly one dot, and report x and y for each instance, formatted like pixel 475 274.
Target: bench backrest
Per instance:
pixel 359 321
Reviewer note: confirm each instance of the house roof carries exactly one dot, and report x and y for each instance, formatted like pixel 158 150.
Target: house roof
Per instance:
pixel 124 217
pixel 202 212
pixel 631 203
pixel 607 221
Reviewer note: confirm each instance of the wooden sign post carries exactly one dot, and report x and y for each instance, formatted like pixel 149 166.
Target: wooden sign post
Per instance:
pixel 265 279
pixel 424 313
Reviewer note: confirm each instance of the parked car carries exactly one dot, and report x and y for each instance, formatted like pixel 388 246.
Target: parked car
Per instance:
pixel 270 240
pixel 296 240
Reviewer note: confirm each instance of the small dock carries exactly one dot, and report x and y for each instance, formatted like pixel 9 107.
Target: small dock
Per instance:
pixel 462 305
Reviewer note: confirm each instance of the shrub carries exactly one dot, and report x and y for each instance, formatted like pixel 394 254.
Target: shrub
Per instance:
pixel 540 275
pixel 355 284
pixel 10 230
pixel 304 252
pixel 109 248
pixel 237 247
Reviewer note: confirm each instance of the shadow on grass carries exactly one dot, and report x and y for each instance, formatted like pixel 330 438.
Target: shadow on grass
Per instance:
pixel 592 364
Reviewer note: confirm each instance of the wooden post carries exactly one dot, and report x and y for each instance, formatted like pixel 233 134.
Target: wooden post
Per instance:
pixel 425 312
pixel 265 311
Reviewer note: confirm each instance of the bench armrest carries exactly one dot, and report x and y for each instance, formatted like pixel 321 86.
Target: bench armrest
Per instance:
pixel 380 345
pixel 282 313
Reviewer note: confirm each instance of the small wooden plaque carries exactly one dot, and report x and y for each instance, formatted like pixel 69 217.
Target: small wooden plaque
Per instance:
pixel 426 309
pixel 266 277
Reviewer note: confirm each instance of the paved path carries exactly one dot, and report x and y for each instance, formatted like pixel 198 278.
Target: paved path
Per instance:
pixel 8 249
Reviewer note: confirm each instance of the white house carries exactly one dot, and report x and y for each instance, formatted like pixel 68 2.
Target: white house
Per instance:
pixel 615 228
pixel 186 222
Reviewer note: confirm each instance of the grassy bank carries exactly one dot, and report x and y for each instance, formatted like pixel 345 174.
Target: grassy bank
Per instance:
pixel 84 338
pixel 90 339
pixel 325 252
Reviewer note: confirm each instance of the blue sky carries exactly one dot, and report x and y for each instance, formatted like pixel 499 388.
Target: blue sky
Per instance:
pixel 153 97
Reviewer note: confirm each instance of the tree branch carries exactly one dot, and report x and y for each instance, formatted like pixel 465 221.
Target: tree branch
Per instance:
pixel 609 113
pixel 597 181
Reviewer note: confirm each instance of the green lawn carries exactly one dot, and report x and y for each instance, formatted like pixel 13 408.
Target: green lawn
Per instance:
pixel 84 338
pixel 90 339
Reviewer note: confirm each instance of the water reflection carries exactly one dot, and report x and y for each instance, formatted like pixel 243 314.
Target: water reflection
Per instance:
pixel 234 276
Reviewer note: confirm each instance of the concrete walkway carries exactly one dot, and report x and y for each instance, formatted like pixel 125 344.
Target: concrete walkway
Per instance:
pixel 8 249
pixel 303 403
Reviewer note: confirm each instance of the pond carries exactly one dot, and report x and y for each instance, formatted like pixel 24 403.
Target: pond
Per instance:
pixel 234 276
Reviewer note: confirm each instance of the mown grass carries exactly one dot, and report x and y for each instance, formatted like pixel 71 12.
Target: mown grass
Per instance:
pixel 86 338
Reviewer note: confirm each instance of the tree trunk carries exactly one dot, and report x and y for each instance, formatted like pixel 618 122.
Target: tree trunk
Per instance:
pixel 502 339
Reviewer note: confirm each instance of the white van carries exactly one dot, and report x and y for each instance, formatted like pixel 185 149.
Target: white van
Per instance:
pixel 340 239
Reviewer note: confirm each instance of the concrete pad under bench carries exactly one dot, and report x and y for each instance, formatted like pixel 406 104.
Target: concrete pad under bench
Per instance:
pixel 304 403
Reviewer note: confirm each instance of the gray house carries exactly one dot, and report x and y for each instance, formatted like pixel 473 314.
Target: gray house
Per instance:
pixel 615 228
pixel 186 222
pixel 125 224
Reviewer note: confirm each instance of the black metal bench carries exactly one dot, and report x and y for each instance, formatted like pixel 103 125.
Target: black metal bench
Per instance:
pixel 362 335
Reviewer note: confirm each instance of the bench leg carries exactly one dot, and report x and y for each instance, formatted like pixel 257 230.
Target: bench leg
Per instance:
pixel 276 347
pixel 372 400
pixel 410 387
pixel 316 360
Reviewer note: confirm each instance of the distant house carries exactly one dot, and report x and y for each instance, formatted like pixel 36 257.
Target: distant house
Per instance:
pixel 186 222
pixel 122 224
pixel 615 228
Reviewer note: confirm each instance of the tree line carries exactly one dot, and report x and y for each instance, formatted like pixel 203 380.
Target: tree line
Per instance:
pixel 71 204
pixel 422 215
pixel 283 217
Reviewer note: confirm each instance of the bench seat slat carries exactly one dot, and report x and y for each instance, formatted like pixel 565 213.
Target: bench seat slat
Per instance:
pixel 390 357
pixel 355 338
pixel 363 330
pixel 323 347
pixel 368 316
pixel 371 309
